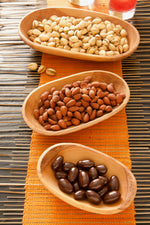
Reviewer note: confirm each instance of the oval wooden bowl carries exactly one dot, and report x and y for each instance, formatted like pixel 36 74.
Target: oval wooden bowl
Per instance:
pixel 26 23
pixel 31 102
pixel 73 152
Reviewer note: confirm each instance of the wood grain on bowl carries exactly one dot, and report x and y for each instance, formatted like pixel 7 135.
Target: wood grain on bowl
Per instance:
pixel 31 102
pixel 73 152
pixel 26 23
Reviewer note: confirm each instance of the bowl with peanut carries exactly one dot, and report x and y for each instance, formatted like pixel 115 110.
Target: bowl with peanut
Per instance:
pixel 79 34
pixel 75 102
pixel 86 178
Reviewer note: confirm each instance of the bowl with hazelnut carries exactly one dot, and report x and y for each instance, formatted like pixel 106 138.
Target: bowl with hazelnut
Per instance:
pixel 87 178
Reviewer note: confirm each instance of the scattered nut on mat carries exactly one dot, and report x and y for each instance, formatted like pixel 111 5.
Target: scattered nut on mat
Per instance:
pixel 33 66
pixel 41 69
pixel 50 72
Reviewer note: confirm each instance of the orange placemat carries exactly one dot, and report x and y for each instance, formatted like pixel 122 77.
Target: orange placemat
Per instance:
pixel 110 136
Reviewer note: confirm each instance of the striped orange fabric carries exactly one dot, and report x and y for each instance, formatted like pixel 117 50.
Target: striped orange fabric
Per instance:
pixel 110 136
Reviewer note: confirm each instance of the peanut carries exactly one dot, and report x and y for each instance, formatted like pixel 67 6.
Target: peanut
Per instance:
pixel 76 103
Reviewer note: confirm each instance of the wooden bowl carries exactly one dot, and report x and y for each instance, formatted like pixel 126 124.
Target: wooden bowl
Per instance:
pixel 31 102
pixel 73 152
pixel 26 23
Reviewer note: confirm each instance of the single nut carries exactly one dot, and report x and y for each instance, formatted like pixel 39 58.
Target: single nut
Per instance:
pixel 41 69
pixel 50 72
pixel 33 66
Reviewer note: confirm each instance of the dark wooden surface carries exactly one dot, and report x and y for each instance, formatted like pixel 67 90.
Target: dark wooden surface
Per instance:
pixel 16 82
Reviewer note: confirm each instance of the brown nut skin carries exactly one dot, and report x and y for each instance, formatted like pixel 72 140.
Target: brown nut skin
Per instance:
pixel 79 195
pixel 91 93
pixel 52 122
pixel 40 103
pixel 111 96
pixel 72 102
pixel 85 164
pixel 78 103
pixel 86 98
pixel 103 191
pixel 46 103
pixel 83 179
pixel 104 179
pixel 94 105
pixel 55 127
pixel 50 111
pixel 89 110
pixel 111 197
pixel 60 174
pixel 41 120
pixel 73 108
pixel 59 114
pixel 93 173
pixel 96 184
pixel 73 174
pixel 110 87
pixel 77 96
pixel 113 183
pixel 68 92
pixel 102 169
pixel 36 113
pixel 67 166
pixel 77 115
pixel 60 103
pixel 93 197
pixel 63 110
pixel 75 121
pixel 103 86
pixel 86 118
pixel 66 99
pixel 65 185
pixel 58 162
pixel 75 90
pixel 93 115
pixel 62 124
pixel 99 113
pixel 106 100
pixel 41 110
pixel 102 107
pixel 45 116
pixel 47 127
pixel 76 186
pixel 87 79
pixel 119 99
pixel 108 108
pixel 44 96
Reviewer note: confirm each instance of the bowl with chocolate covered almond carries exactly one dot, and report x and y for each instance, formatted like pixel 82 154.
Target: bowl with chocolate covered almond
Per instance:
pixel 86 178
pixel 75 102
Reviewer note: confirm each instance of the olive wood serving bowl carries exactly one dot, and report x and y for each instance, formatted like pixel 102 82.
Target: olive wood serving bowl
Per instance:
pixel 26 23
pixel 73 152
pixel 31 102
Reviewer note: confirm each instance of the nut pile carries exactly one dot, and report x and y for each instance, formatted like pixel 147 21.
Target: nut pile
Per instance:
pixel 76 103
pixel 86 180
pixel 85 35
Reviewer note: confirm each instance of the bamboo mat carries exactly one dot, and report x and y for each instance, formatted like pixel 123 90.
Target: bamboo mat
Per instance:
pixel 16 82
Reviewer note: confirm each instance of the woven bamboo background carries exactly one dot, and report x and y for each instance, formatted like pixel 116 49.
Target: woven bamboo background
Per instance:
pixel 16 82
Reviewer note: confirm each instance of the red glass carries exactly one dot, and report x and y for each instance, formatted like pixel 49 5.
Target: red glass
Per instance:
pixel 122 5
